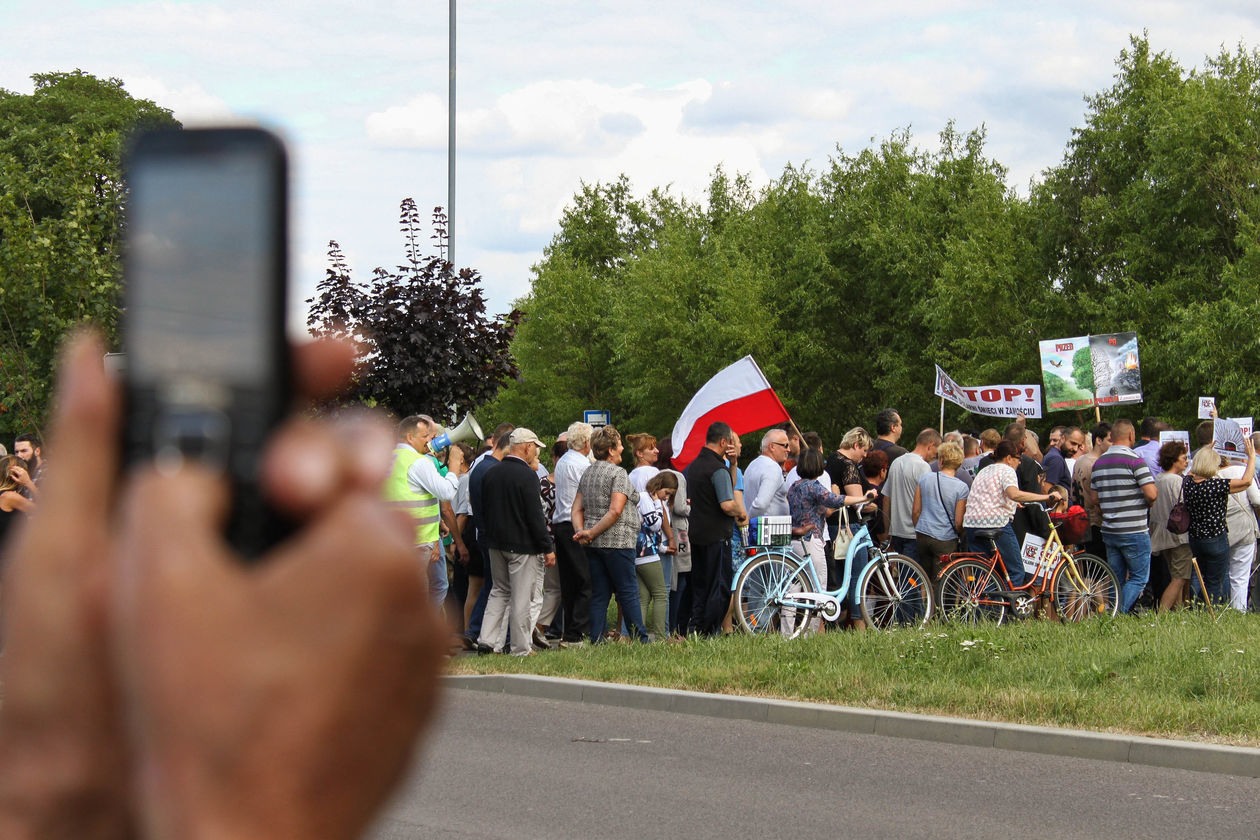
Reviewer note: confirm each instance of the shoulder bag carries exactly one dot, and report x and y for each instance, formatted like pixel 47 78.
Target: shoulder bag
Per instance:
pixel 949 514
pixel 843 536
pixel 1179 516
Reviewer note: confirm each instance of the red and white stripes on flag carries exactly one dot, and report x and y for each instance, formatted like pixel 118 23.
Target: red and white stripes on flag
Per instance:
pixel 739 396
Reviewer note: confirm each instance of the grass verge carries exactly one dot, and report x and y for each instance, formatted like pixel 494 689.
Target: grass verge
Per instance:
pixel 1178 675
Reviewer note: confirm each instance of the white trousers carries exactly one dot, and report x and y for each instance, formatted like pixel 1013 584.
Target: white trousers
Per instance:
pixel 549 600
pixel 1240 559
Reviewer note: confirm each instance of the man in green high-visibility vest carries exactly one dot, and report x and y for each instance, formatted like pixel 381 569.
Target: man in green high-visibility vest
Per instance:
pixel 418 484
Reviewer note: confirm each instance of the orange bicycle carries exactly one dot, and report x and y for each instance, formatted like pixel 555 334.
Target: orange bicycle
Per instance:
pixel 973 588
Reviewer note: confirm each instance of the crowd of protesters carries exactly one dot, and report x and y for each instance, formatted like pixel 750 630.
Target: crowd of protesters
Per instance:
pixel 537 547
pixel 20 476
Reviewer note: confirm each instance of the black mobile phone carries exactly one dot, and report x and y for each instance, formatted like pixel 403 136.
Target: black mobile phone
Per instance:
pixel 207 372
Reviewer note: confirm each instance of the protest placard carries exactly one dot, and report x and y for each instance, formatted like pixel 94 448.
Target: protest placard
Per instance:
pixel 1067 373
pixel 1091 370
pixel 1206 406
pixel 1169 437
pixel 1229 439
pixel 1033 554
pixel 1117 370
pixel 1244 425
pixel 991 400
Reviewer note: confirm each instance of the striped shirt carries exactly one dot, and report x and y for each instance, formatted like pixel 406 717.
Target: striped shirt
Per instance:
pixel 1118 478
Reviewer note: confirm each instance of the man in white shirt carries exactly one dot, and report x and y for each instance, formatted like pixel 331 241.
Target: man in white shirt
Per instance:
pixel 424 481
pixel 575 571
pixel 899 487
pixel 765 489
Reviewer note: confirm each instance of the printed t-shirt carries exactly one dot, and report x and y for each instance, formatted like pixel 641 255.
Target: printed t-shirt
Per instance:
pixel 988 506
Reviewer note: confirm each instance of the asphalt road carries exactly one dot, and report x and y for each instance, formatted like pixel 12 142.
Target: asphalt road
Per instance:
pixel 501 766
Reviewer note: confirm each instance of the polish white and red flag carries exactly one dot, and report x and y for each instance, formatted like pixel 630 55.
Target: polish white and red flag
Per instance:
pixel 739 396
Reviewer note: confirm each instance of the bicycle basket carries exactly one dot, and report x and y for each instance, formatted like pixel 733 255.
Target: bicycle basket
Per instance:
pixel 774 530
pixel 1073 524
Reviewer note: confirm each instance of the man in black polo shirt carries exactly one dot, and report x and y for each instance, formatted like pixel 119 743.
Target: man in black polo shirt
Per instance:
pixel 711 482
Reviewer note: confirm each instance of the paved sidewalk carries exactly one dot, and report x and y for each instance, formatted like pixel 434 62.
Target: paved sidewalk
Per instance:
pixel 1132 749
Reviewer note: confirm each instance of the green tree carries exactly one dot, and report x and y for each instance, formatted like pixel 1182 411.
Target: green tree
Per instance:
pixel 931 262
pixel 1152 213
pixel 846 288
pixel 564 344
pixel 61 197
pixel 691 304
pixel 849 284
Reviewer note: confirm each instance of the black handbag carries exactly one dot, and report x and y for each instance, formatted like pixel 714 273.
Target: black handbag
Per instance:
pixel 1179 516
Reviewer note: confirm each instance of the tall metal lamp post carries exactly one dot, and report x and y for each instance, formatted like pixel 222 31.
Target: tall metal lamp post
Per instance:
pixel 450 146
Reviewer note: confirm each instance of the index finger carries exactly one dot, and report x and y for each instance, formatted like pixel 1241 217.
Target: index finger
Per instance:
pixel 84 435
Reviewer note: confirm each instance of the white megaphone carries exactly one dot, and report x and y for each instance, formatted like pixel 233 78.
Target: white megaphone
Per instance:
pixel 466 430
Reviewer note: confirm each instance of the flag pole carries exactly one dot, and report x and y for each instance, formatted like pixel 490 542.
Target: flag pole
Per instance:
pixel 799 436
pixel 942 417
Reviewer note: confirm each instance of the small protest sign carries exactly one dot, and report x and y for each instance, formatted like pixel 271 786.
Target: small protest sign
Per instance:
pixel 1033 555
pixel 1206 406
pixel 1229 439
pixel 1169 437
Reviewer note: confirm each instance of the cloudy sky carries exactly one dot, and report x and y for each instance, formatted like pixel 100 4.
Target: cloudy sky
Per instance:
pixel 555 92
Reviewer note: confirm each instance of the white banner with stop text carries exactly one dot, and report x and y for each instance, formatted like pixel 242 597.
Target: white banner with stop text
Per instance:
pixel 991 400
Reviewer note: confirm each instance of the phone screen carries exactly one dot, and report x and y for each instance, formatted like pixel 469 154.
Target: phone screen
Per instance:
pixel 201 270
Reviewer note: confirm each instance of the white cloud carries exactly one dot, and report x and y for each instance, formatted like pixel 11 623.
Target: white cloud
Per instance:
pixel 190 102
pixel 420 123
pixel 567 117
pixel 553 93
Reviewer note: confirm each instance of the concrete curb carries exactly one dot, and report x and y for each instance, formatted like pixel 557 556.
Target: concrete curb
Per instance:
pixel 1132 749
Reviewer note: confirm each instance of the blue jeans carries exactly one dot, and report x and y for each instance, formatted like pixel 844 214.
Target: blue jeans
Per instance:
pixel 1213 557
pixel 612 570
pixel 1007 546
pixel 1129 556
pixel 473 630
pixel 907 546
pixel 860 560
pixel 436 572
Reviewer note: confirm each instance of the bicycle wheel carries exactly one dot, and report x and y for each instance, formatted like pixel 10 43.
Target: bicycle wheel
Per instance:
pixel 895 592
pixel 1085 586
pixel 967 591
pixel 764 584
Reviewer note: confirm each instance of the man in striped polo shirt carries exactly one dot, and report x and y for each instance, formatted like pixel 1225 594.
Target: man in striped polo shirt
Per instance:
pixel 1125 490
